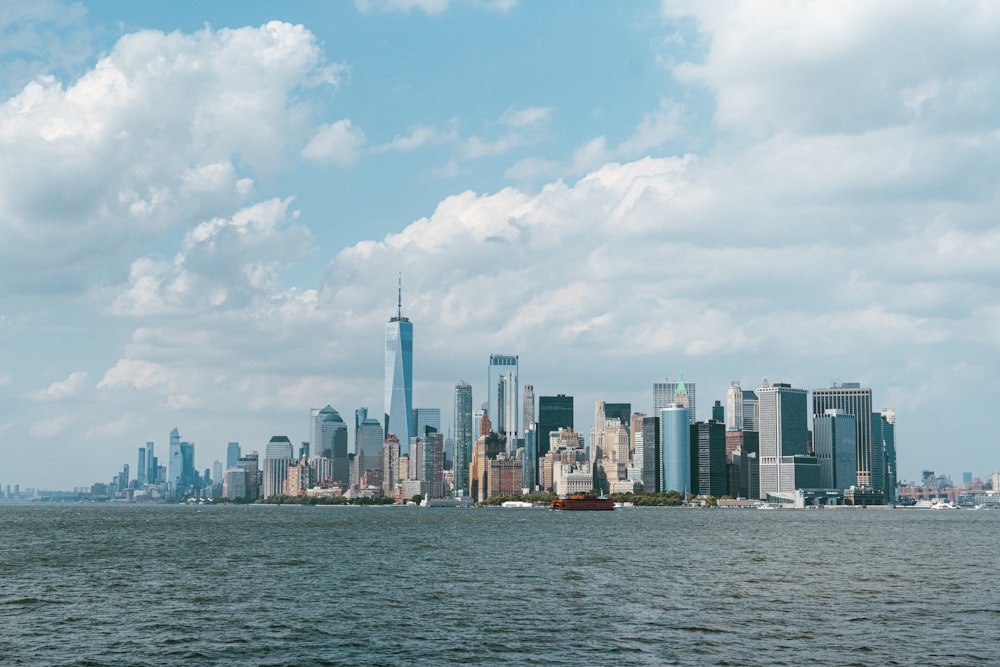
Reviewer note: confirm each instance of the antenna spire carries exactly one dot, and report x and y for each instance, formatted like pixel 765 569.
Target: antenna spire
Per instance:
pixel 399 298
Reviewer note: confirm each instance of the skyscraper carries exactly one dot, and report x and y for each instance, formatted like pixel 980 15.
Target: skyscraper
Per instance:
pixel 855 400
pixel 528 406
pixel 277 456
pixel 648 453
pixel 142 468
pixel 503 397
pixel 424 418
pixel 399 376
pixel 232 454
pixel 329 440
pixel 464 436
pixel 554 413
pixel 888 422
pixel 784 434
pixel 835 443
pixel 675 439
pixel 368 439
pixel 175 462
pixel 708 458
pixel 665 395
pixel 734 407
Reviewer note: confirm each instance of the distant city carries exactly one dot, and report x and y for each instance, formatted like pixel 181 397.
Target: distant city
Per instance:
pixel 756 448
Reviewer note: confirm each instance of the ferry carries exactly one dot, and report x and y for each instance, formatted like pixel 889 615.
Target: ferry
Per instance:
pixel 583 501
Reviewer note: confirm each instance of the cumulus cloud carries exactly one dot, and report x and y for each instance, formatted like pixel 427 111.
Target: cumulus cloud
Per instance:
pixel 339 142
pixel 225 263
pixel 186 107
pixel 64 388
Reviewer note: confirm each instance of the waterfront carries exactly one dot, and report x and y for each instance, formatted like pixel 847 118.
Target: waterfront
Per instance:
pixel 129 585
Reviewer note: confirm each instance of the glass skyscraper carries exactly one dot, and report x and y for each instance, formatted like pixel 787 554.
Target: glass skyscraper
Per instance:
pixel 503 397
pixel 399 377
pixel 854 400
pixel 464 436
pixel 675 439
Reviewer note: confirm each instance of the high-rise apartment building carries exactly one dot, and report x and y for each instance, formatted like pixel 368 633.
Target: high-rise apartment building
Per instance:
pixel 503 397
pixel 554 413
pixel 399 376
pixel 666 393
pixel 855 400
pixel 464 436
pixel 675 439
pixel 528 406
pixel 784 435
pixel 432 465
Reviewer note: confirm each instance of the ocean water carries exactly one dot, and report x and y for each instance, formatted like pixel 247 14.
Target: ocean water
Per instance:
pixel 171 585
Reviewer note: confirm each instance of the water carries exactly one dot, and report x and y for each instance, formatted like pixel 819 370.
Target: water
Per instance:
pixel 167 585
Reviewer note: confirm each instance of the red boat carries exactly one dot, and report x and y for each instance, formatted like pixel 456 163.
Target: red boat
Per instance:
pixel 583 501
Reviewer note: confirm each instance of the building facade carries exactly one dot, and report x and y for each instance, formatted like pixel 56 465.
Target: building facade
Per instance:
pixel 784 433
pixel 399 377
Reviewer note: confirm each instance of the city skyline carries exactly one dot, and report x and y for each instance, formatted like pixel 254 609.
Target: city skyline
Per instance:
pixel 797 192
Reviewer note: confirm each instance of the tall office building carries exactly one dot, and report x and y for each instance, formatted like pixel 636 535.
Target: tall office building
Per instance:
pixel 424 418
pixel 277 456
pixel 784 435
pixel 734 407
pixel 554 413
pixel 232 454
pixel 666 393
pixel 855 400
pixel 708 459
pixel 217 471
pixel 189 476
pixel 464 436
pixel 503 397
pixel 620 411
pixel 142 468
pixel 888 423
pixel 675 443
pixel 175 462
pixel 368 441
pixel 329 440
pixel 835 441
pixel 647 454
pixel 151 463
pixel 530 468
pixel 399 376
pixel 528 406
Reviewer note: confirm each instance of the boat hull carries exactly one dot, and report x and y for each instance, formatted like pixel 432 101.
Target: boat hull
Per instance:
pixel 583 502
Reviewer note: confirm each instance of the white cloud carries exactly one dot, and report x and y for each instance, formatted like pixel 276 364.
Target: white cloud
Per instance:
pixel 429 6
pixel 64 388
pixel 338 142
pixel 73 203
pixel 525 117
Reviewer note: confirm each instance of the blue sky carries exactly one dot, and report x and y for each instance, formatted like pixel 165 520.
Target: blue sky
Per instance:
pixel 205 209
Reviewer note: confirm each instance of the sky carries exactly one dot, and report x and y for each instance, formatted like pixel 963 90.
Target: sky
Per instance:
pixel 205 209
